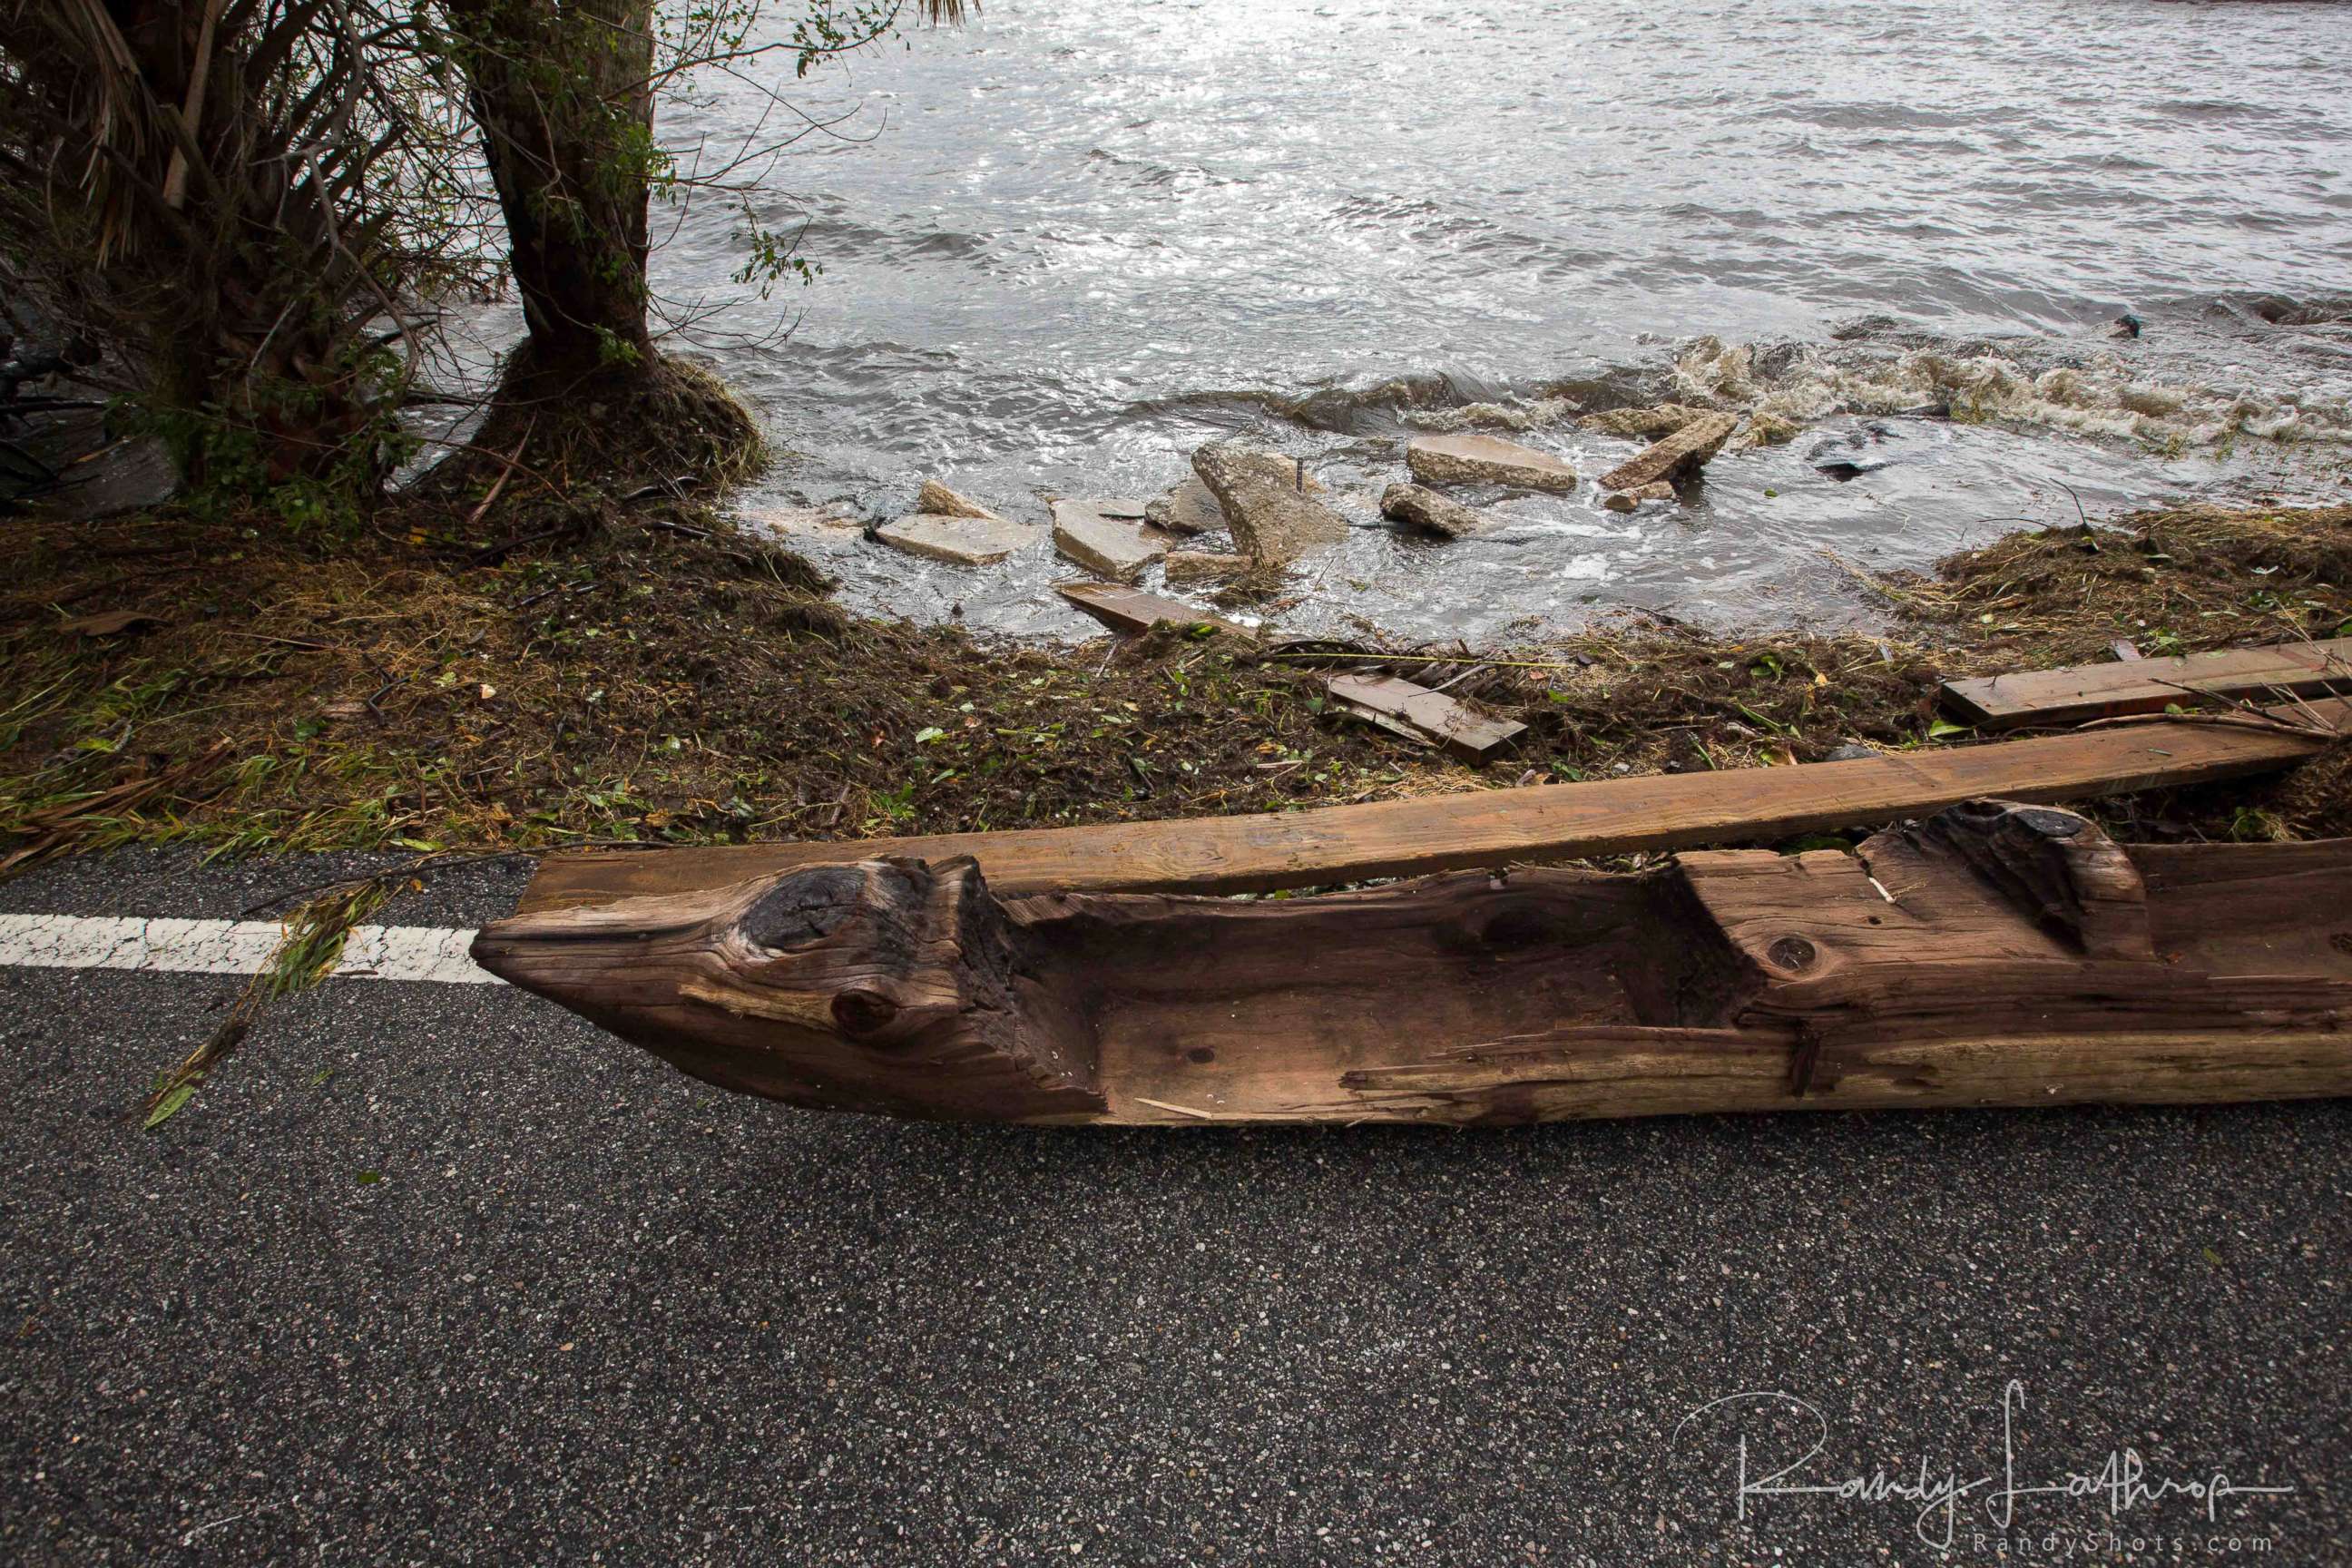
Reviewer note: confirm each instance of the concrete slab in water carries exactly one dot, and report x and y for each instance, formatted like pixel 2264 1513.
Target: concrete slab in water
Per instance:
pixel 803 521
pixel 1487 460
pixel 965 540
pixel 1679 453
pixel 1191 565
pixel 1189 508
pixel 1626 501
pixel 1103 536
pixel 936 499
pixel 1425 507
pixel 1272 519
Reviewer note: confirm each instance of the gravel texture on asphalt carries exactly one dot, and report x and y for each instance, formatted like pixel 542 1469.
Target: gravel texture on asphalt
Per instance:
pixel 438 1274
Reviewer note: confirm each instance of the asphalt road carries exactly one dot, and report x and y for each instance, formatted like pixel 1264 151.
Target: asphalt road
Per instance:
pixel 439 1274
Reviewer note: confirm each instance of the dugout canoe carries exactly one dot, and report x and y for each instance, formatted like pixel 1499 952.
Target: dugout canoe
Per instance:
pixel 1996 954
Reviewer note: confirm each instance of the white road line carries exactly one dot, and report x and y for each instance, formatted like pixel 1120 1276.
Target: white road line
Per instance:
pixel 229 947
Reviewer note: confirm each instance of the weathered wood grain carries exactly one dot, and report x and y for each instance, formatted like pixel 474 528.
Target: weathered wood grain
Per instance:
pixel 1999 955
pixel 2083 691
pixel 1432 718
pixel 1493 827
pixel 1131 610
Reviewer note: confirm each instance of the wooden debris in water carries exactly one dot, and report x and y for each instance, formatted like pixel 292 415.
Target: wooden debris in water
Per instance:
pixel 1131 610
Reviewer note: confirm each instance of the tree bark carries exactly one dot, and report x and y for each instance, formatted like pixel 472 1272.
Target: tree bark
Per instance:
pixel 561 92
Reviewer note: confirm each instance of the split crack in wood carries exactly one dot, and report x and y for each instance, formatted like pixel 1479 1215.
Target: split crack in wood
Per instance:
pixel 1998 952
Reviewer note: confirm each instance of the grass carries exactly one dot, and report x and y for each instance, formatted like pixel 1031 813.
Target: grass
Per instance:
pixel 646 676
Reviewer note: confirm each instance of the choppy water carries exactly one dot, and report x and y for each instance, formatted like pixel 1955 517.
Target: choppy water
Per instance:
pixel 1067 244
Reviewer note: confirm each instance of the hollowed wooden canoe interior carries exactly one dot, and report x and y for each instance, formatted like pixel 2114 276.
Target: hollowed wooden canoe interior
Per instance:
pixel 1995 954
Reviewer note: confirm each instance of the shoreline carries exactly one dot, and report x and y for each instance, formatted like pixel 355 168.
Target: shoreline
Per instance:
pixel 665 678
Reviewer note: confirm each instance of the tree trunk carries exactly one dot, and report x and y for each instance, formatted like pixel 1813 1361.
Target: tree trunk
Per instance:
pixel 562 93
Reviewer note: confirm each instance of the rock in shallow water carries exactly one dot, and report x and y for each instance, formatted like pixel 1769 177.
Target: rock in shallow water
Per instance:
pixel 1102 536
pixel 1487 460
pixel 1425 508
pixel 804 521
pixel 1679 453
pixel 1626 501
pixel 935 500
pixel 1191 565
pixel 1641 423
pixel 963 540
pixel 1189 508
pixel 1273 520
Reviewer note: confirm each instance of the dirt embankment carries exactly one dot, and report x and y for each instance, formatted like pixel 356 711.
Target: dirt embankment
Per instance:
pixel 646 674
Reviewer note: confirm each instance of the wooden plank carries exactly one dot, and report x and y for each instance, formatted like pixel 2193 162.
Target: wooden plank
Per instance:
pixel 2150 685
pixel 1131 610
pixel 1493 827
pixel 1430 716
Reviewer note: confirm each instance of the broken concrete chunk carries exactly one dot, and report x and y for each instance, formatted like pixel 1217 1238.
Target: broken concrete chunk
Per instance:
pixel 1095 536
pixel 935 500
pixel 1425 508
pixel 1273 520
pixel 1462 459
pixel 1642 423
pixel 1679 453
pixel 966 541
pixel 1187 509
pixel 1769 430
pixel 1626 501
pixel 1191 565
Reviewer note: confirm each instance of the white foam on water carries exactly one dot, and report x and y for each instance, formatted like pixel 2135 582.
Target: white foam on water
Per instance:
pixel 2101 397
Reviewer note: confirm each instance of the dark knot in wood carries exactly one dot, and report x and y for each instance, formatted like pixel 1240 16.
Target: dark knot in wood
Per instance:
pixel 862 1014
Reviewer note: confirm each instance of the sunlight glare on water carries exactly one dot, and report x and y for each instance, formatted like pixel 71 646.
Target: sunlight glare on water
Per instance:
pixel 1065 244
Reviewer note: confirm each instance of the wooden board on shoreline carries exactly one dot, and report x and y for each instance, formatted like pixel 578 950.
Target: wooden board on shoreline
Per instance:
pixel 1424 717
pixel 1131 610
pixel 1486 828
pixel 2084 691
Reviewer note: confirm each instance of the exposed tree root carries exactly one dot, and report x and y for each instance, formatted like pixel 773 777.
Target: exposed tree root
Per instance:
pixel 554 434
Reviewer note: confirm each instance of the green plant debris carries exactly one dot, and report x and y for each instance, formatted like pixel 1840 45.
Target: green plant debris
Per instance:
pixel 650 676
pixel 313 944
